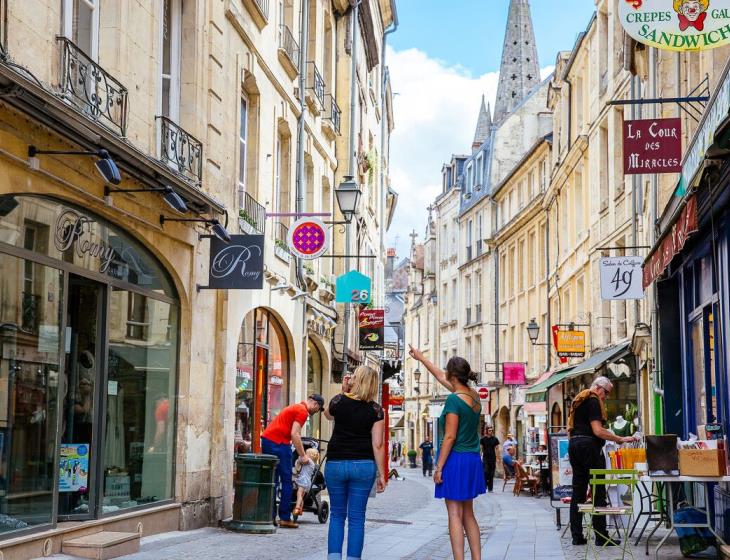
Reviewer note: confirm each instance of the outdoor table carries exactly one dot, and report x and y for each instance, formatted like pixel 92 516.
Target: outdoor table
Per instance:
pixel 703 481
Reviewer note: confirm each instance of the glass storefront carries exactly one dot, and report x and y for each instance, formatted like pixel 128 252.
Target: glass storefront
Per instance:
pixel 262 377
pixel 88 367
pixel 314 385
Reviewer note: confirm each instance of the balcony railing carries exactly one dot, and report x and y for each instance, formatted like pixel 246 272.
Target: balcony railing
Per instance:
pixel 263 5
pixel 332 112
pixel 289 45
pixel 31 308
pixel 92 89
pixel 315 82
pixel 281 243
pixel 252 215
pixel 180 150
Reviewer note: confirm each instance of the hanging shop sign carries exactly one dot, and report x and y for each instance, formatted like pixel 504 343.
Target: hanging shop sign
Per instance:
pixel 238 265
pixel 372 327
pixel 555 330
pixel 672 243
pixel 571 344
pixel 513 373
pixel 652 146
pixel 308 238
pixel 621 277
pixel 353 287
pixel 677 25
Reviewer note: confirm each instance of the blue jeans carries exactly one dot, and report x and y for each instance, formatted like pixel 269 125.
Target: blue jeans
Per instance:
pixel 349 484
pixel 282 477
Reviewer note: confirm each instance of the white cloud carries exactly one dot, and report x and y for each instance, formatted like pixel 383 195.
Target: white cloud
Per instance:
pixel 436 109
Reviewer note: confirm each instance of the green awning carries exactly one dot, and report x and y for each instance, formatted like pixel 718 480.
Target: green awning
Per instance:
pixel 538 392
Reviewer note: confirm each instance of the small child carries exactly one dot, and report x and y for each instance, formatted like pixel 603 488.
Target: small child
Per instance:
pixel 303 475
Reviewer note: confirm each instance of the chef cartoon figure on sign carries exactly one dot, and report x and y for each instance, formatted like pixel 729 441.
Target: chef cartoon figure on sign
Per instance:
pixel 691 13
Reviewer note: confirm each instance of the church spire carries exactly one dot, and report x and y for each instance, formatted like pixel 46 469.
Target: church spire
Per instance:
pixel 519 71
pixel 484 123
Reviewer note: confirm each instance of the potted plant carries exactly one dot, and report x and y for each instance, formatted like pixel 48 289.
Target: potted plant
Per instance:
pixel 412 454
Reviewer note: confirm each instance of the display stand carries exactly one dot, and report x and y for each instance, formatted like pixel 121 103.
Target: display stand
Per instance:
pixel 561 474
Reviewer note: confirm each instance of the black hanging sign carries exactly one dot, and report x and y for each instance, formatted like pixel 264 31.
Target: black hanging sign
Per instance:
pixel 238 265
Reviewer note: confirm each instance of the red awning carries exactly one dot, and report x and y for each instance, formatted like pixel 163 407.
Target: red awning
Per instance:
pixel 671 243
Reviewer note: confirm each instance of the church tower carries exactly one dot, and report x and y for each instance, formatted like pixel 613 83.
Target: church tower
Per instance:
pixel 484 124
pixel 519 71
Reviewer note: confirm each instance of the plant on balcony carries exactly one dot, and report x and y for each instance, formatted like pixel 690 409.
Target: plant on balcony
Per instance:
pixel 372 161
pixel 246 218
pixel 309 269
pixel 281 244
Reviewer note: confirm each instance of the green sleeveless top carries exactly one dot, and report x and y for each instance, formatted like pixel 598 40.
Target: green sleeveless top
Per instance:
pixel 467 434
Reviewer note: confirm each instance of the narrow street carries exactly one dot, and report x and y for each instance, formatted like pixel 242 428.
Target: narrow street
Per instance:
pixel 404 523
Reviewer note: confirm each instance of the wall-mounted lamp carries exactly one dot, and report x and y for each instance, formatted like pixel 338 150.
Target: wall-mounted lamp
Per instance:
pixel 215 226
pixel 348 195
pixel 168 194
pixel 104 164
pixel 533 331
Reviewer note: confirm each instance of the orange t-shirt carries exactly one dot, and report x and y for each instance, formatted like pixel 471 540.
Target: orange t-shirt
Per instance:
pixel 279 431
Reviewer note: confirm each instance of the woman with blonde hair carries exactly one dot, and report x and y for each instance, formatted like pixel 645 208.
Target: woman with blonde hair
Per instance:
pixel 354 459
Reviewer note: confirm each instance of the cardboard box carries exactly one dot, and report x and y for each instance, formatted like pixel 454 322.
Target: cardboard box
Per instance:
pixel 702 462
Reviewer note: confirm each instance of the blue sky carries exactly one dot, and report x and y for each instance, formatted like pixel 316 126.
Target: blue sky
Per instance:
pixel 443 58
pixel 469 33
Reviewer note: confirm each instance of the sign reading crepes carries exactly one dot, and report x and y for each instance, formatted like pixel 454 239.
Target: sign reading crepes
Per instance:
pixel 677 25
pixel 571 344
pixel 652 146
pixel 672 243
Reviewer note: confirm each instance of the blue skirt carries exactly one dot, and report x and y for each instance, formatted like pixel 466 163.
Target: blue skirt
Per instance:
pixel 463 477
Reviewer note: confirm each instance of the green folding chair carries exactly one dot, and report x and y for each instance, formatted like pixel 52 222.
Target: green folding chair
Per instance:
pixel 608 478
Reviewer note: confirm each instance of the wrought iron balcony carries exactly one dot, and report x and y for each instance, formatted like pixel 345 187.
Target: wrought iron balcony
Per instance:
pixel 281 244
pixel 332 112
pixel 252 216
pixel 91 88
pixel 315 82
pixel 288 44
pixel 180 150
pixel 263 6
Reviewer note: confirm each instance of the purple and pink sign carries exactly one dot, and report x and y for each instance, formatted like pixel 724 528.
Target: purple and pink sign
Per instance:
pixel 513 373
pixel 308 238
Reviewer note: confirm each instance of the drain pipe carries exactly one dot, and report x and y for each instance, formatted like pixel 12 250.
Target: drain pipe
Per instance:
pixel 300 188
pixel 383 129
pixel 351 164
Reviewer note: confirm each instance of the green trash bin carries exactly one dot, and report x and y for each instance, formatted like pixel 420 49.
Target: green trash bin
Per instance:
pixel 255 493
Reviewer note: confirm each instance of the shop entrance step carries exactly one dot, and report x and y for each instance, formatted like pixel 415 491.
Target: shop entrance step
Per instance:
pixel 103 545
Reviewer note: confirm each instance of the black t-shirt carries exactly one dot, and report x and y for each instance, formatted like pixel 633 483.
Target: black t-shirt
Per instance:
pixel 352 434
pixel 588 411
pixel 426 450
pixel 488 444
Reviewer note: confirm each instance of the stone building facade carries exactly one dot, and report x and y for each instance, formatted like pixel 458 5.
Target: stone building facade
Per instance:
pixel 232 110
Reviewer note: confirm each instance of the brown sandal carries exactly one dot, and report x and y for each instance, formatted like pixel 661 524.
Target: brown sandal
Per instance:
pixel 298 512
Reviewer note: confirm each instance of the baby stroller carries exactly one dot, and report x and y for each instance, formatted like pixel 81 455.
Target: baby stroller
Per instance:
pixel 313 501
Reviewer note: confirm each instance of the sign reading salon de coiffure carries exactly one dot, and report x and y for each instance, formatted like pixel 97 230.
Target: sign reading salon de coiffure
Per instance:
pixel 677 25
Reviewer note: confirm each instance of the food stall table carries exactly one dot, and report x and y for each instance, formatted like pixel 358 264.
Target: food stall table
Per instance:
pixel 703 481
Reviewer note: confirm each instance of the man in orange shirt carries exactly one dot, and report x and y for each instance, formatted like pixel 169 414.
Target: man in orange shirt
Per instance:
pixel 277 440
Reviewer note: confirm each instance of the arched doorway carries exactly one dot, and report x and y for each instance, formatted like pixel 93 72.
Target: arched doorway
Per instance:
pixel 314 385
pixel 556 418
pixel 262 377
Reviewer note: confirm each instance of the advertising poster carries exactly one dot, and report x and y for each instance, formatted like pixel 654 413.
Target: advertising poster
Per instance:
pixel 372 322
pixel 73 473
pixel 561 473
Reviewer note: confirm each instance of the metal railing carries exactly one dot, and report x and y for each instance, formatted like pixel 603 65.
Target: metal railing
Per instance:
pixel 253 213
pixel 91 88
pixel 333 112
pixel 315 82
pixel 181 150
pixel 289 45
pixel 281 234
pixel 264 7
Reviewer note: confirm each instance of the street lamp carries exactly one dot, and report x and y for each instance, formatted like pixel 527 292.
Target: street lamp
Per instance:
pixel 348 195
pixel 533 330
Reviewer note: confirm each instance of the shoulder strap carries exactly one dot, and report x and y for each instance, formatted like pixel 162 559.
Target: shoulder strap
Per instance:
pixel 471 397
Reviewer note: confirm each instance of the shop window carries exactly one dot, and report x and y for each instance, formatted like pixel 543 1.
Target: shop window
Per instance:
pixel 139 427
pixel 314 385
pixel 29 377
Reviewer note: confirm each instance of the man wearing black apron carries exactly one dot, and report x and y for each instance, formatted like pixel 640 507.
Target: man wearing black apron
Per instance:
pixel 587 437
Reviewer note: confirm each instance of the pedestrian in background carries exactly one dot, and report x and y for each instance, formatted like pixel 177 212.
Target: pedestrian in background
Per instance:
pixel 489 445
pixel 277 439
pixel 458 476
pixel 509 442
pixel 508 462
pixel 355 460
pixel 427 456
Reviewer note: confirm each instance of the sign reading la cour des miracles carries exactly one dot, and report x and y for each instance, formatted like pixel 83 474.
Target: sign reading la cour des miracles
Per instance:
pixel 677 25
pixel 652 146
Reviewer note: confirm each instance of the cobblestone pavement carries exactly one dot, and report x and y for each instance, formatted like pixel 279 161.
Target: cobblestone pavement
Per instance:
pixel 405 523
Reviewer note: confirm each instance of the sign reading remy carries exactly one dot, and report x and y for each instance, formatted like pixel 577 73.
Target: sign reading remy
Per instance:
pixel 652 146
pixel 372 326
pixel 677 25
pixel 238 265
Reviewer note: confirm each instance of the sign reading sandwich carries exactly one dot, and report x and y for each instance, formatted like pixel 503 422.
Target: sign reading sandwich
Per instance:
pixel 677 25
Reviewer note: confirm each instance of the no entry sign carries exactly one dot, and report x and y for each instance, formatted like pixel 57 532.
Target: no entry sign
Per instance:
pixel 483 393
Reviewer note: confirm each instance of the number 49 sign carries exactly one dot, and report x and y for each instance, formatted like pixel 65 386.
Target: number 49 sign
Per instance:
pixel 621 278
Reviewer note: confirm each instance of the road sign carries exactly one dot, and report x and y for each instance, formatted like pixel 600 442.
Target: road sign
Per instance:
pixel 483 392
